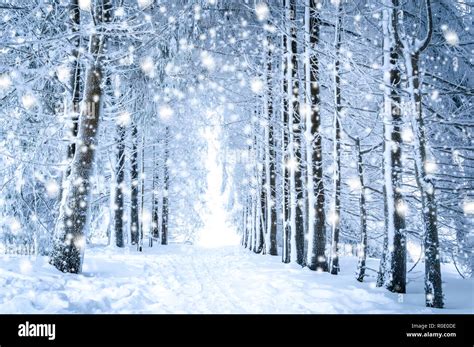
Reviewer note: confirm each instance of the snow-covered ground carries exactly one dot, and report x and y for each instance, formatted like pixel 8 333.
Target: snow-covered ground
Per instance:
pixel 191 279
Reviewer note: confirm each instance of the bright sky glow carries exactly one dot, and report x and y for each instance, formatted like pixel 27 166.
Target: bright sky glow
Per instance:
pixel 217 231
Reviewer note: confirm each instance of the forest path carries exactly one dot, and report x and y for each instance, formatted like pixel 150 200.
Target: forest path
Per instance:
pixel 191 279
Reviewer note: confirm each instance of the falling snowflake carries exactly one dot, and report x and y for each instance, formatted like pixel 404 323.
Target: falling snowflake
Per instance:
pixel 165 112
pixel 144 3
pixel 28 100
pixel 354 183
pixel 262 11
pixel 5 81
pixel 430 167
pixel 120 12
pixel 247 129
pixel 256 85
pixel 292 164
pixel 52 189
pixel 468 207
pixel 63 74
pixel 451 37
pixel 80 242
pixel 333 218
pixel 207 61
pixel 148 66
pixel 124 119
pixel 85 5
pixel 15 225
pixel 407 135
pixel 305 110
pixel 401 208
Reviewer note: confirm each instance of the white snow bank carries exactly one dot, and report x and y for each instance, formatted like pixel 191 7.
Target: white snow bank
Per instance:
pixel 191 279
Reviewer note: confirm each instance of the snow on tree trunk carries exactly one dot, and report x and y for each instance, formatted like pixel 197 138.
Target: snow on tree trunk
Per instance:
pixel 70 237
pixel 336 209
pixel 156 202
pixel 392 272
pixel 412 49
pixel 245 236
pixel 315 257
pixel 270 186
pixel 75 22
pixel 252 225
pixel 294 148
pixel 134 218
pixel 69 243
pixel 362 249
pixel 285 146
pixel 259 223
pixel 433 283
pixel 119 186
pixel 165 207
pixel 75 85
pixel 142 194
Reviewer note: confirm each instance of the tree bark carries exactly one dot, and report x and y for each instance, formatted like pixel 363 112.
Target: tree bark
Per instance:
pixel 296 177
pixel 142 194
pixel 156 204
pixel 119 186
pixel 336 210
pixel 75 22
pixel 392 270
pixel 285 144
pixel 165 207
pixel 134 218
pixel 271 242
pixel 433 283
pixel 362 254
pixel 70 238
pixel 316 257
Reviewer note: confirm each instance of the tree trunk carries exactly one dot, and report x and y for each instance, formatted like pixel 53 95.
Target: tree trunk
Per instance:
pixel 336 210
pixel 119 186
pixel 70 238
pixel 362 254
pixel 270 242
pixel 156 204
pixel 165 207
pixel 253 222
pixel 260 198
pixel 142 193
pixel 316 257
pixel 245 235
pixel 134 218
pixel 75 22
pixel 392 271
pixel 285 151
pixel 296 227
pixel 433 283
